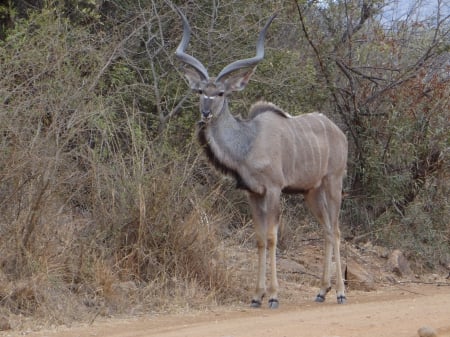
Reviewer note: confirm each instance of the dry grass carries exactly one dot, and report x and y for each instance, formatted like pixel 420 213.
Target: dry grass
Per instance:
pixel 98 216
pixel 129 236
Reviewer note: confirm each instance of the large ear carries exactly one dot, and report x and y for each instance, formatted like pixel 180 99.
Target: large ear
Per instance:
pixel 238 81
pixel 193 77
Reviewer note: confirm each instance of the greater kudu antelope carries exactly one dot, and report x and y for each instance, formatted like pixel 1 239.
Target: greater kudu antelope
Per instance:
pixel 269 153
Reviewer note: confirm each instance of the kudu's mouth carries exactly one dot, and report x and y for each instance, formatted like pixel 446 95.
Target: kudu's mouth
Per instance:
pixel 206 116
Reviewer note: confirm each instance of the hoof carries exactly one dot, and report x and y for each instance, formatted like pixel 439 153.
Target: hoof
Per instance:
pixel 341 299
pixel 273 303
pixel 320 298
pixel 255 304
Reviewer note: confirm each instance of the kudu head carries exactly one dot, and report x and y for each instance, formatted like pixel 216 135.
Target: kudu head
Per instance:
pixel 213 91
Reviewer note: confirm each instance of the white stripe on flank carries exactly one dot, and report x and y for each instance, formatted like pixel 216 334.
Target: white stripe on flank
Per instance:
pixel 325 131
pixel 311 148
pixel 293 144
pixel 319 117
pixel 302 151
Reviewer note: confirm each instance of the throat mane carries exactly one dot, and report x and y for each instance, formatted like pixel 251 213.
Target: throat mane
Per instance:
pixel 218 156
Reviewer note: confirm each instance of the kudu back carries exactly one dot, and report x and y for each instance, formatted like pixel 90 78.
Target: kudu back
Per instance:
pixel 269 153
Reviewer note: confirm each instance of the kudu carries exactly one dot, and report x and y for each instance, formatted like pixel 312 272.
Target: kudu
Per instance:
pixel 269 153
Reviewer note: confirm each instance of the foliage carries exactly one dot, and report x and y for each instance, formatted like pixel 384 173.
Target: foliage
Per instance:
pixel 387 82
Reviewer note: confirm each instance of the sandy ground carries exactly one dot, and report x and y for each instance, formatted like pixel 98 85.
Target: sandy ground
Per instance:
pixel 392 312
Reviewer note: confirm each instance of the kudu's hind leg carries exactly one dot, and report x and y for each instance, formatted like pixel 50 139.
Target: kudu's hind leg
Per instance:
pixel 265 211
pixel 325 207
pixel 334 198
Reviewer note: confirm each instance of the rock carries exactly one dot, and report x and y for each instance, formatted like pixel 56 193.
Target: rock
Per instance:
pixel 368 246
pixel 382 252
pixel 398 264
pixel 444 261
pixel 358 277
pixel 287 265
pixel 426 331
pixel 4 324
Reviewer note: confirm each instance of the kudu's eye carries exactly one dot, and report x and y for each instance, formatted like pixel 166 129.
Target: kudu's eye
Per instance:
pixel 199 91
pixel 221 93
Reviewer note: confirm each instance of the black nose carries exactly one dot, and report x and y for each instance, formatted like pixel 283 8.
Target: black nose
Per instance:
pixel 206 113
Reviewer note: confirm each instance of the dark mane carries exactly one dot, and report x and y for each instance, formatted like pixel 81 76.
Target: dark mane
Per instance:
pixel 263 107
pixel 240 183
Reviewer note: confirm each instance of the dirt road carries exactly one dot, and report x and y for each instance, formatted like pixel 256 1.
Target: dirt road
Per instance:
pixel 390 312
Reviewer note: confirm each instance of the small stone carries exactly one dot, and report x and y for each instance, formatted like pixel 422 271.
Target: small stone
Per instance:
pixel 398 264
pixel 427 331
pixel 4 324
pixel 444 260
pixel 382 252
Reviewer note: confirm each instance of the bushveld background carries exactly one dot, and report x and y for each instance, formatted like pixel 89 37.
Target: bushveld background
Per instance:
pixel 107 204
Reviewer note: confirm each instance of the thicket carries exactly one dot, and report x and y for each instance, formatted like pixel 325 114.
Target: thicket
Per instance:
pixel 106 201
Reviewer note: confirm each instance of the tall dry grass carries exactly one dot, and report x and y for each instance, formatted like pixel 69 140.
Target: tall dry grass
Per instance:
pixel 98 216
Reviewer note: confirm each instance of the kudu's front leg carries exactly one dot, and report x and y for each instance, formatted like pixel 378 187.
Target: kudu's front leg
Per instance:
pixel 265 211
pixel 272 236
pixel 261 243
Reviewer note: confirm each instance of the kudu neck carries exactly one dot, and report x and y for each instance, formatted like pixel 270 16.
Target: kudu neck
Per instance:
pixel 230 137
pixel 224 117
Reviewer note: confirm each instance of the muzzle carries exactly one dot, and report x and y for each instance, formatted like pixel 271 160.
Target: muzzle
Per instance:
pixel 206 114
pixel 206 107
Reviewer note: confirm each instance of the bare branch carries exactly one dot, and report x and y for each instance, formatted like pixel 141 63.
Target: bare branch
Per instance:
pixel 177 109
pixel 114 55
pixel 367 11
pixel 325 72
